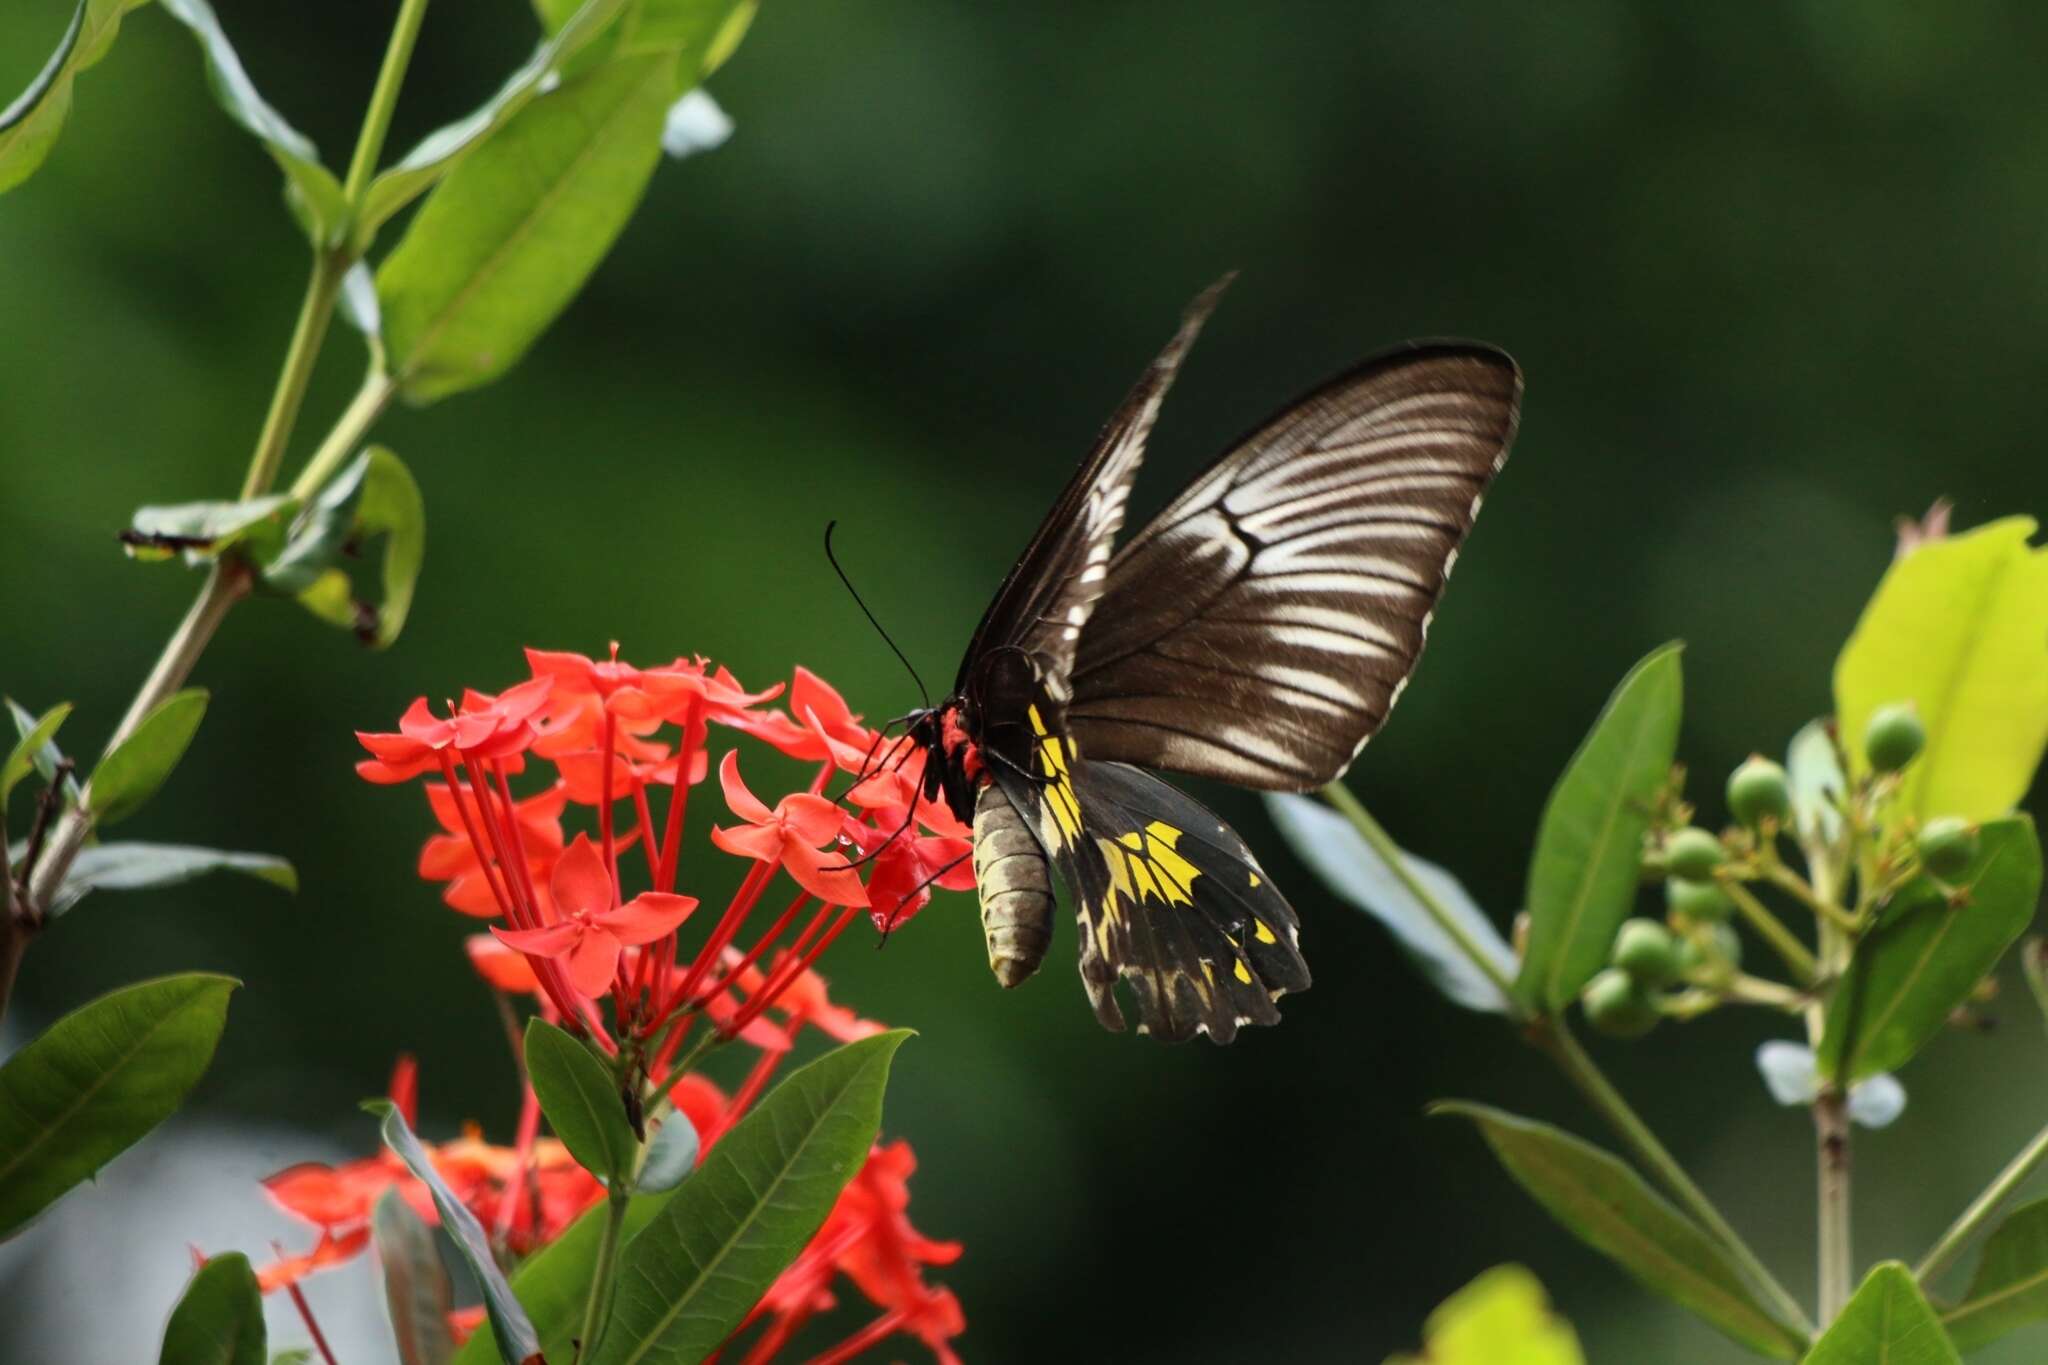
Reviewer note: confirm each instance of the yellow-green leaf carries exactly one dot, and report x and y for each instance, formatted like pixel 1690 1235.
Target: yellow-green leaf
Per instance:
pixel 30 124
pixel 1501 1318
pixel 1959 627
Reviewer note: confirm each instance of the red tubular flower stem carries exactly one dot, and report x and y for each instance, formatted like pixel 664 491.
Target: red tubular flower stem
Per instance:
pixel 654 855
pixel 743 901
pixel 778 1334
pixel 524 914
pixel 604 802
pixel 774 932
pixel 518 841
pixel 878 1330
pixel 792 967
pixel 529 1129
pixel 306 1314
pixel 658 1067
pixel 476 840
pixel 743 1099
pixel 679 799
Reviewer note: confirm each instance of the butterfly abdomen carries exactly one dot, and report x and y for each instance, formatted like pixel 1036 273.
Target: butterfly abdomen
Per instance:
pixel 1015 882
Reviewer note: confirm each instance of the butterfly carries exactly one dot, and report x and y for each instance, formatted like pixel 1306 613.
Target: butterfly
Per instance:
pixel 1257 632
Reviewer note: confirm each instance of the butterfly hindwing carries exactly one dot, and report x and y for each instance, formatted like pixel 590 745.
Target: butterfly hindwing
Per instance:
pixel 1165 895
pixel 1259 629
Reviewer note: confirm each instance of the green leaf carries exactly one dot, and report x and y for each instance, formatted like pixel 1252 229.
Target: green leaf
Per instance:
pixel 444 148
pixel 29 126
pixel 1354 871
pixel 97 1080
pixel 554 1283
pixel 416 1290
pixel 145 867
pixel 510 236
pixel 1955 628
pixel 1589 847
pixel 21 760
pixel 315 195
pixel 374 496
pixel 1925 957
pixel 199 532
pixel 671 1155
pixel 46 757
pixel 2010 1288
pixel 219 1321
pixel 718 1243
pixel 1501 1318
pixel 1886 1323
pixel 703 32
pixel 1607 1206
pixel 509 1323
pixel 581 1101
pixel 296 1355
pixel 133 770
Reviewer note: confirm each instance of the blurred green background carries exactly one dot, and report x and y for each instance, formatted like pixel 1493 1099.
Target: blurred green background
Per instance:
pixel 1774 273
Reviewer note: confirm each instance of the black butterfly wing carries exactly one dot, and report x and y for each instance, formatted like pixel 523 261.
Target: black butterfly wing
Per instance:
pixel 1048 594
pixel 1261 627
pixel 1165 896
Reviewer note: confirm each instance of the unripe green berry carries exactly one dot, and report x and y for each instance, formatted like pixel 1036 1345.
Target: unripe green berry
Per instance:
pixel 1894 738
pixel 1701 902
pixel 1947 843
pixel 1617 1004
pixel 1758 790
pixel 1646 950
pixel 1711 950
pixel 1692 854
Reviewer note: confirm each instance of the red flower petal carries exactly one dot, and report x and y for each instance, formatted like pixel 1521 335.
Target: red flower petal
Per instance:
pixel 762 843
pixel 582 883
pixel 811 819
pixel 647 917
pixel 593 962
pixel 738 799
pixel 824 875
pixel 552 941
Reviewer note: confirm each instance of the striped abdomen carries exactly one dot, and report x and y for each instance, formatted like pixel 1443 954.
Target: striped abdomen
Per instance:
pixel 1015 883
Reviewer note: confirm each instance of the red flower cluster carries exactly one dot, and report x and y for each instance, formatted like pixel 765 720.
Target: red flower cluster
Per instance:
pixel 604 726
pixel 570 935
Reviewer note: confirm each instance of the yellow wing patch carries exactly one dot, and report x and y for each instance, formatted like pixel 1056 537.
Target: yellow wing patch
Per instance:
pixel 1054 755
pixel 1144 865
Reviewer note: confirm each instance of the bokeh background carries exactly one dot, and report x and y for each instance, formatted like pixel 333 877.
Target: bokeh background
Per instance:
pixel 1775 274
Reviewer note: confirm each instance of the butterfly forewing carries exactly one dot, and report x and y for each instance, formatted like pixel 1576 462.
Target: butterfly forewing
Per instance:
pixel 1049 594
pixel 1260 628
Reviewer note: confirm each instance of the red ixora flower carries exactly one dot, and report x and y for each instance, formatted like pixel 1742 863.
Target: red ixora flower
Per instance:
pixel 604 960
pixel 593 929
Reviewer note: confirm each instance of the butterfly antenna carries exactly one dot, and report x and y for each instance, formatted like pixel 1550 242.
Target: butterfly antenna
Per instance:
pixel 834 559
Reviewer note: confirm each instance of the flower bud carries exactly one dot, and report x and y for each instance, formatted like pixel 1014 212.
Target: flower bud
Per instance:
pixel 1700 902
pixel 1617 1004
pixel 1646 950
pixel 1692 854
pixel 1947 843
pixel 1758 790
pixel 1894 738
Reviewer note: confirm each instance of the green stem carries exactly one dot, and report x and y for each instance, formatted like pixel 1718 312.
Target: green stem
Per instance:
pixel 597 1308
pixel 1831 1147
pixel 1338 795
pixel 315 313
pixel 1795 954
pixel 1555 1040
pixel 1981 1210
pixel 1790 882
pixel 348 431
pixel 405 30
pixel 225 585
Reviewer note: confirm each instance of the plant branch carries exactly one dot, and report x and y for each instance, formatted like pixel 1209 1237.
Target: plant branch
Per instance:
pixel 1790 882
pixel 1554 1039
pixel 405 30
pixel 1831 1143
pixel 1783 941
pixel 226 584
pixel 349 429
pixel 316 312
pixel 1981 1210
pixel 1339 795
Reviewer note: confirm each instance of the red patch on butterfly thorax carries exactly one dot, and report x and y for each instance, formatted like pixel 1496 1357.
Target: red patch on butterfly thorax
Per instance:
pixel 960 750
